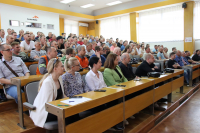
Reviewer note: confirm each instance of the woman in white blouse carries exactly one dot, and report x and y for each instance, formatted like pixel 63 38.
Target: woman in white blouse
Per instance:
pixel 94 78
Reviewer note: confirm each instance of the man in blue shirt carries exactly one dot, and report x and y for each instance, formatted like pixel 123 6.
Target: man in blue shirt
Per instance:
pixel 92 39
pixel 160 54
pixel 99 53
pixel 184 58
pixel 155 50
pixel 124 45
pixel 179 58
pixel 21 35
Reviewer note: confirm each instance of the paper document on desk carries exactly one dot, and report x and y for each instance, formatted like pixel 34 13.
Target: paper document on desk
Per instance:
pixel 75 101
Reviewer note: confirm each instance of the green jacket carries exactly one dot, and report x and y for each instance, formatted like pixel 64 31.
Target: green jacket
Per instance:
pixel 112 78
pixel 63 59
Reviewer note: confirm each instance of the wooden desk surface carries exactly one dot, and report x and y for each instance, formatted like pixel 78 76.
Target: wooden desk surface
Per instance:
pixel 26 79
pixel 30 63
pixel 193 66
pixel 98 98
pixel 162 78
pixel 178 72
pixel 134 86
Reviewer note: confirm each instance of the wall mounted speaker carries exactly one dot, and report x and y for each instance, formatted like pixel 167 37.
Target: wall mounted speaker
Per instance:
pixel 97 21
pixel 184 5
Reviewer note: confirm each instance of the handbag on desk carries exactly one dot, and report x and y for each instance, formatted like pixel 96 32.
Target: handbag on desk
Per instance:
pixel 169 70
pixel 153 74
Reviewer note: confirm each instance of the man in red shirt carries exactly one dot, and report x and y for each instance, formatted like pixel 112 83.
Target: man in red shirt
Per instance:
pixel 80 41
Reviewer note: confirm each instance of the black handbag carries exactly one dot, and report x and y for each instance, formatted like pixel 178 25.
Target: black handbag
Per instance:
pixel 169 70
pixel 133 61
pixel 153 74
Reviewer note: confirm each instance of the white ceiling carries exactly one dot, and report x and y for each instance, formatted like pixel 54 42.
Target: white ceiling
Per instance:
pixel 98 3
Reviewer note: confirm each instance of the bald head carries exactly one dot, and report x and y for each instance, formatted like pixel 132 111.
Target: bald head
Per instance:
pixel 125 58
pixel 9 39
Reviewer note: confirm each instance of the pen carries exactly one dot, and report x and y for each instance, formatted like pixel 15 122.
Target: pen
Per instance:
pixel 62 105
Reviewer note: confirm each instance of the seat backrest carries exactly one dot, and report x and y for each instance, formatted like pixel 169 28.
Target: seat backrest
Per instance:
pixel 32 69
pixel 134 69
pixel 158 65
pixel 83 78
pixel 166 64
pixel 31 90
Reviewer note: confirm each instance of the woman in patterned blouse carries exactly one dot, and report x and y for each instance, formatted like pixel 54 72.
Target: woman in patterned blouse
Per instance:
pixel 72 81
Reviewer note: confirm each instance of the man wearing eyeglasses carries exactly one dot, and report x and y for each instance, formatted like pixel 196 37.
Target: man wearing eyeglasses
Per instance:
pixel 16 64
pixel 43 61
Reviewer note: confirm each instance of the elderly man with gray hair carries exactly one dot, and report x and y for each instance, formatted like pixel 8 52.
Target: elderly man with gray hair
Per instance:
pixel 37 53
pixel 126 68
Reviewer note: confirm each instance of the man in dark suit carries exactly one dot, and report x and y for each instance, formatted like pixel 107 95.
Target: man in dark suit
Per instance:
pixel 147 66
pixel 196 56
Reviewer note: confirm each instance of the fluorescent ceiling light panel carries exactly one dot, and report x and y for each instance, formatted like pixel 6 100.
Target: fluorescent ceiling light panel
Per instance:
pixel 66 1
pixel 114 3
pixel 88 5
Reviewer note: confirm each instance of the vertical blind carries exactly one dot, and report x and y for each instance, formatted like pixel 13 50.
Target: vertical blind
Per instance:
pixel 196 20
pixel 165 24
pixel 71 27
pixel 116 27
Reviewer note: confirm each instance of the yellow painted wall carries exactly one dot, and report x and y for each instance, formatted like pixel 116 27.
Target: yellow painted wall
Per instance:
pixel 133 28
pixel 83 30
pixel 61 21
pixel 91 32
pixel 97 28
pixel 188 26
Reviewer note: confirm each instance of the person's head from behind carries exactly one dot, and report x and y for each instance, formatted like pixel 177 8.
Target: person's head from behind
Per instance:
pixel 95 62
pixel 54 44
pixel 54 67
pixel 147 49
pixel 37 45
pixel 172 55
pixel 178 53
pixel 51 52
pixel 16 47
pixel 14 34
pixel 99 49
pixel 6 51
pixel 125 58
pixel 117 51
pixel 149 58
pixel 72 64
pixel 9 39
pixel 70 52
pixel 174 49
pixel 111 61
pixel 81 50
pixel 94 44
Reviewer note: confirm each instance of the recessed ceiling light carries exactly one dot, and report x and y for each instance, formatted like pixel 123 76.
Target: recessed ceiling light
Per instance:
pixel 88 5
pixel 114 3
pixel 66 1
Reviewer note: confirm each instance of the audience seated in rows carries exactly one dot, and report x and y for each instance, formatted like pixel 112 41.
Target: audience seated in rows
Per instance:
pixel 7 64
pixel 38 52
pixel 172 63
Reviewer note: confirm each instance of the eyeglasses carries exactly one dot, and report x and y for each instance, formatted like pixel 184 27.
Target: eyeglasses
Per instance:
pixel 7 50
pixel 55 62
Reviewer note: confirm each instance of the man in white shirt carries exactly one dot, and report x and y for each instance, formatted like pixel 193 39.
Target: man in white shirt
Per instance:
pixel 138 49
pixel 89 50
pixel 27 45
pixel 2 37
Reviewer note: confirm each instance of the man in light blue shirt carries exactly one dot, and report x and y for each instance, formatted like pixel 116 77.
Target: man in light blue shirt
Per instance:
pixel 109 43
pixel 124 45
pixel 160 54
pixel 155 50
pixel 92 39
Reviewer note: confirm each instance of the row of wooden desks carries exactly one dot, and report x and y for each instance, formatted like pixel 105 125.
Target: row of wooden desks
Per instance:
pixel 109 117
